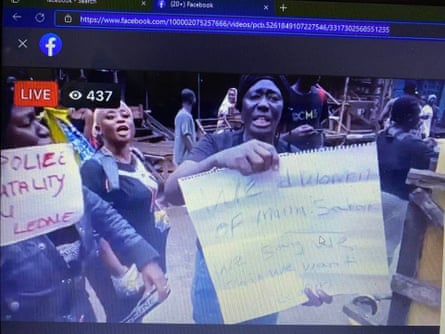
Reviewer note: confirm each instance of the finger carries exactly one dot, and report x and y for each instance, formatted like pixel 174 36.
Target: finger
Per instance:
pixel 313 298
pixel 244 166
pixel 163 289
pixel 275 160
pixel 266 155
pixel 325 298
pixel 257 159
pixel 161 285
pixel 271 157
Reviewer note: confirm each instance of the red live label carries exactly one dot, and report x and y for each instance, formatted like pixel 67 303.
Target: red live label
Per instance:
pixel 36 94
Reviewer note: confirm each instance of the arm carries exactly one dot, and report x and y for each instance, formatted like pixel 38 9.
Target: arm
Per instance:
pixel 250 157
pixel 188 141
pixel 386 109
pixel 422 154
pixel 88 129
pixel 125 241
pixel 93 176
pixel 187 126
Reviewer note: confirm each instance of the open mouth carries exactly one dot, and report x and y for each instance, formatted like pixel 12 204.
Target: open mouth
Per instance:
pixel 261 122
pixel 122 130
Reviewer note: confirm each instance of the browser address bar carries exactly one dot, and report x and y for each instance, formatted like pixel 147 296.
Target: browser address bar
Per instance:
pixel 107 20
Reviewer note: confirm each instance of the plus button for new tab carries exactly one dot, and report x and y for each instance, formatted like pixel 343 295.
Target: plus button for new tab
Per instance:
pixel 283 7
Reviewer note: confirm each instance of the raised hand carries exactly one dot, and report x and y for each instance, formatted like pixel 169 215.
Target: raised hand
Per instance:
pixel 250 157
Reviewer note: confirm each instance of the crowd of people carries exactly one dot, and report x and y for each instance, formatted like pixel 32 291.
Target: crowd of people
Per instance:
pixel 118 246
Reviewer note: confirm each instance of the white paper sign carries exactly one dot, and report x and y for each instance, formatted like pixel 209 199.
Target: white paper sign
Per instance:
pixel 41 191
pixel 316 223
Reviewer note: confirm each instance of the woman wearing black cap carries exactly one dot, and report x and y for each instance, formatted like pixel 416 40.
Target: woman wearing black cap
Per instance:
pixel 252 149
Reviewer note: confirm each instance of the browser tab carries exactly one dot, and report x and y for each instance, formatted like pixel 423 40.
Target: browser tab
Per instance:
pixel 130 5
pixel 225 7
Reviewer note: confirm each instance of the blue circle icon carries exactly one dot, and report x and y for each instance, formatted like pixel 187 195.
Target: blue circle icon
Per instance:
pixel 50 44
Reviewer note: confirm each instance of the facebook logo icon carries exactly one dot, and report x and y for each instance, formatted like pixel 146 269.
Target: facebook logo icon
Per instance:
pixel 50 44
pixel 161 4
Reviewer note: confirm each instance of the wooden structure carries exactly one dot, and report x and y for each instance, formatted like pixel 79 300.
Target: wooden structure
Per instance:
pixel 417 284
pixel 210 125
pixel 353 117
pixel 206 125
pixel 155 141
pixel 159 157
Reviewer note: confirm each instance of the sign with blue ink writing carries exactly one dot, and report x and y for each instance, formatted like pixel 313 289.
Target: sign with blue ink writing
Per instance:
pixel 41 191
pixel 317 223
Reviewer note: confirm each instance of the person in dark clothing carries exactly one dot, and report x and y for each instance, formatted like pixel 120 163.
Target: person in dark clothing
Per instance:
pixel 43 278
pixel 400 147
pixel 252 149
pixel 409 89
pixel 308 108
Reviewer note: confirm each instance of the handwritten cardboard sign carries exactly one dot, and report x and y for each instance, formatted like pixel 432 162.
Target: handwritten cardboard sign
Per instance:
pixel 317 223
pixel 41 191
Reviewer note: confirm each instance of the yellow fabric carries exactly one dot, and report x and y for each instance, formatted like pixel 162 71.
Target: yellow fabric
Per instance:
pixel 50 117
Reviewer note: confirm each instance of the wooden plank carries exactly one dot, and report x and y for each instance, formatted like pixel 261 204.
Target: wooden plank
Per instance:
pixel 429 270
pixel 410 251
pixel 154 123
pixel 426 179
pixel 429 207
pixel 163 148
pixel 416 290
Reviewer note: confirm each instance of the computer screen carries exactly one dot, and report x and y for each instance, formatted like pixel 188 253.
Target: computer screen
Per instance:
pixel 217 166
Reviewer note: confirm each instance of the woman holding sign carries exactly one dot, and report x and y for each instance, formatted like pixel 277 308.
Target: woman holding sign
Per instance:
pixel 117 174
pixel 42 277
pixel 252 149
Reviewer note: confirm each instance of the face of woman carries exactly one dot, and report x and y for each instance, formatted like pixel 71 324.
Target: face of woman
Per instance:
pixel 25 129
pixel 231 96
pixel 116 126
pixel 262 107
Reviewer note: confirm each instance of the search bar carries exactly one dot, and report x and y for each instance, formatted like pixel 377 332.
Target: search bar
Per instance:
pixel 288 26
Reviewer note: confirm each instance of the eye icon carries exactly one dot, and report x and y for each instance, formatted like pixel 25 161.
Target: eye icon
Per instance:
pixel 75 95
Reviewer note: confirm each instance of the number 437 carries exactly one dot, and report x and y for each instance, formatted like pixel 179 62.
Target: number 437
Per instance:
pixel 99 95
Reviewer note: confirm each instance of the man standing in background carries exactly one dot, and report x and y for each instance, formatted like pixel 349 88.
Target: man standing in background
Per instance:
pixel 185 132
pixel 308 108
pixel 428 116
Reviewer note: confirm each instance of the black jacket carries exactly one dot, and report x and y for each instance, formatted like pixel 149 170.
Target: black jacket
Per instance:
pixel 38 285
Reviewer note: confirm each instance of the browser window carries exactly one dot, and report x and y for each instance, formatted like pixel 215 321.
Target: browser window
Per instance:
pixel 222 166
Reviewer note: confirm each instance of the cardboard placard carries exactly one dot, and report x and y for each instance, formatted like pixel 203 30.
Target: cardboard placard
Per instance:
pixel 317 223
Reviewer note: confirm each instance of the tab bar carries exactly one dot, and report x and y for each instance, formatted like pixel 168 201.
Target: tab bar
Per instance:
pixel 214 7
pixel 368 11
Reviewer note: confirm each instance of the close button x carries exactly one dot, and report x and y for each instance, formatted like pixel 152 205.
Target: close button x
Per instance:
pixel 22 43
